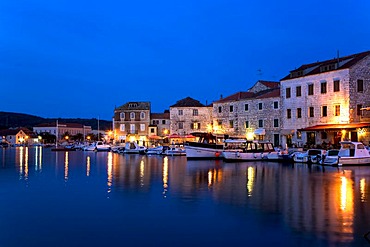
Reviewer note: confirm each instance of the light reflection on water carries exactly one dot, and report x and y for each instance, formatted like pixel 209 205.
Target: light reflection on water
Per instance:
pixel 295 204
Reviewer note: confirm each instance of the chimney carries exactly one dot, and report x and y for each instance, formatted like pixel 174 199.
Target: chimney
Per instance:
pixel 221 96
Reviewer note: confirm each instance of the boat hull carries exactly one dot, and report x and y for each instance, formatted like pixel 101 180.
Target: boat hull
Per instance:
pixel 353 161
pixel 233 156
pixel 202 153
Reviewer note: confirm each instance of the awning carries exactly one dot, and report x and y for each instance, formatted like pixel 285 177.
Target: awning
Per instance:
pixel 335 126
pixel 286 132
pixel 155 137
pixel 260 132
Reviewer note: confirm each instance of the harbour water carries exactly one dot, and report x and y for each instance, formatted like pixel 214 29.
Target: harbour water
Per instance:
pixel 107 199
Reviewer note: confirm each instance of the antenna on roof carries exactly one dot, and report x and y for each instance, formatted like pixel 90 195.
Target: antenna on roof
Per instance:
pixel 337 59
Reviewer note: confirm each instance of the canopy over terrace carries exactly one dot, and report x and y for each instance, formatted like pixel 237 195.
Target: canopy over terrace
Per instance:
pixel 336 127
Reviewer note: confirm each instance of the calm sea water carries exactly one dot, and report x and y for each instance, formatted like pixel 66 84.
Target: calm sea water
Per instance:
pixel 107 199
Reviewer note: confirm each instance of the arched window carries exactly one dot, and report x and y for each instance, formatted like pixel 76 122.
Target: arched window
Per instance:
pixel 142 115
pixel 132 115
pixel 122 115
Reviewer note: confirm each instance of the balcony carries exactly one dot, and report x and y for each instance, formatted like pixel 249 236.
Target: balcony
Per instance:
pixel 365 118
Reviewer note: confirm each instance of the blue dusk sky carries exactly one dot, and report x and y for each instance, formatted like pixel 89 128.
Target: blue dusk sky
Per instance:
pixel 83 58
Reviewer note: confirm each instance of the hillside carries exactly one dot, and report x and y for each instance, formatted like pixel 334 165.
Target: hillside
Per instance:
pixel 14 120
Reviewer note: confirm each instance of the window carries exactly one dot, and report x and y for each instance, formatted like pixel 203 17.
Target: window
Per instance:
pixel 181 112
pixel 219 109
pixel 195 112
pixel 142 115
pixel 298 91
pixel 132 115
pixel 337 110
pixel 259 106
pixel 163 121
pixel 122 127
pixel 276 104
pixel 122 115
pixel 231 108
pixel 311 112
pixel 359 110
pixel 181 125
pixel 219 122
pixel 246 124
pixel 360 86
pixel 310 89
pixel 132 128
pixel 299 112
pixel 152 130
pixel 260 123
pixel 276 122
pixel 336 86
pixel 142 127
pixel 246 106
pixel 289 113
pixel 195 126
pixel 299 135
pixel 324 111
pixel 323 87
pixel 287 92
pixel 231 124
pixel 324 135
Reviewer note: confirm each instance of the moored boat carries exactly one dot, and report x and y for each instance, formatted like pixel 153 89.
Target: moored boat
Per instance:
pixel 244 150
pixel 353 153
pixel 310 156
pixel 134 148
pixel 207 147
pixel 175 150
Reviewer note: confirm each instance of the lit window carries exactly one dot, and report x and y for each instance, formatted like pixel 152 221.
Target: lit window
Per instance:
pixel 337 110
pixel 231 124
pixel 122 127
pixel 142 127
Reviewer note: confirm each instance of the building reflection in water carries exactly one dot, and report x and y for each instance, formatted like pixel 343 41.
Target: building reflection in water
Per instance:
pixel 38 158
pixel 142 172
pixel 165 176
pixel 66 163
pixel 23 162
pixel 88 160
pixel 110 172
pixel 250 180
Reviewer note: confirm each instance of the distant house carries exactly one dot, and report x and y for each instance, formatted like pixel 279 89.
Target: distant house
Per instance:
pixel 189 115
pixel 159 126
pixel 20 136
pixel 62 128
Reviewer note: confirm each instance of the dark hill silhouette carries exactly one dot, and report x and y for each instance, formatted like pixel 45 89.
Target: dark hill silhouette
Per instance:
pixel 15 120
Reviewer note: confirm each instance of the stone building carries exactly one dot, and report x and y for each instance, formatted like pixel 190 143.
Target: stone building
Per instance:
pixel 322 102
pixel 159 126
pixel 189 115
pixel 254 114
pixel 131 122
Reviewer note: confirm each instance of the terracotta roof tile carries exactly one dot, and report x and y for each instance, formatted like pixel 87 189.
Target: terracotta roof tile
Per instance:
pixel 314 68
pixel 188 102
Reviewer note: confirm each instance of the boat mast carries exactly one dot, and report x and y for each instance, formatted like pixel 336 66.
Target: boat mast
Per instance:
pixel 56 134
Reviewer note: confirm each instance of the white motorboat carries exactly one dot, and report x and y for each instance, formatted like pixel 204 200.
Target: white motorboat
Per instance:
pixel 97 146
pixel 175 150
pixel 207 147
pixel 331 157
pixel 310 156
pixel 244 150
pixel 353 153
pixel 155 150
pixel 134 148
